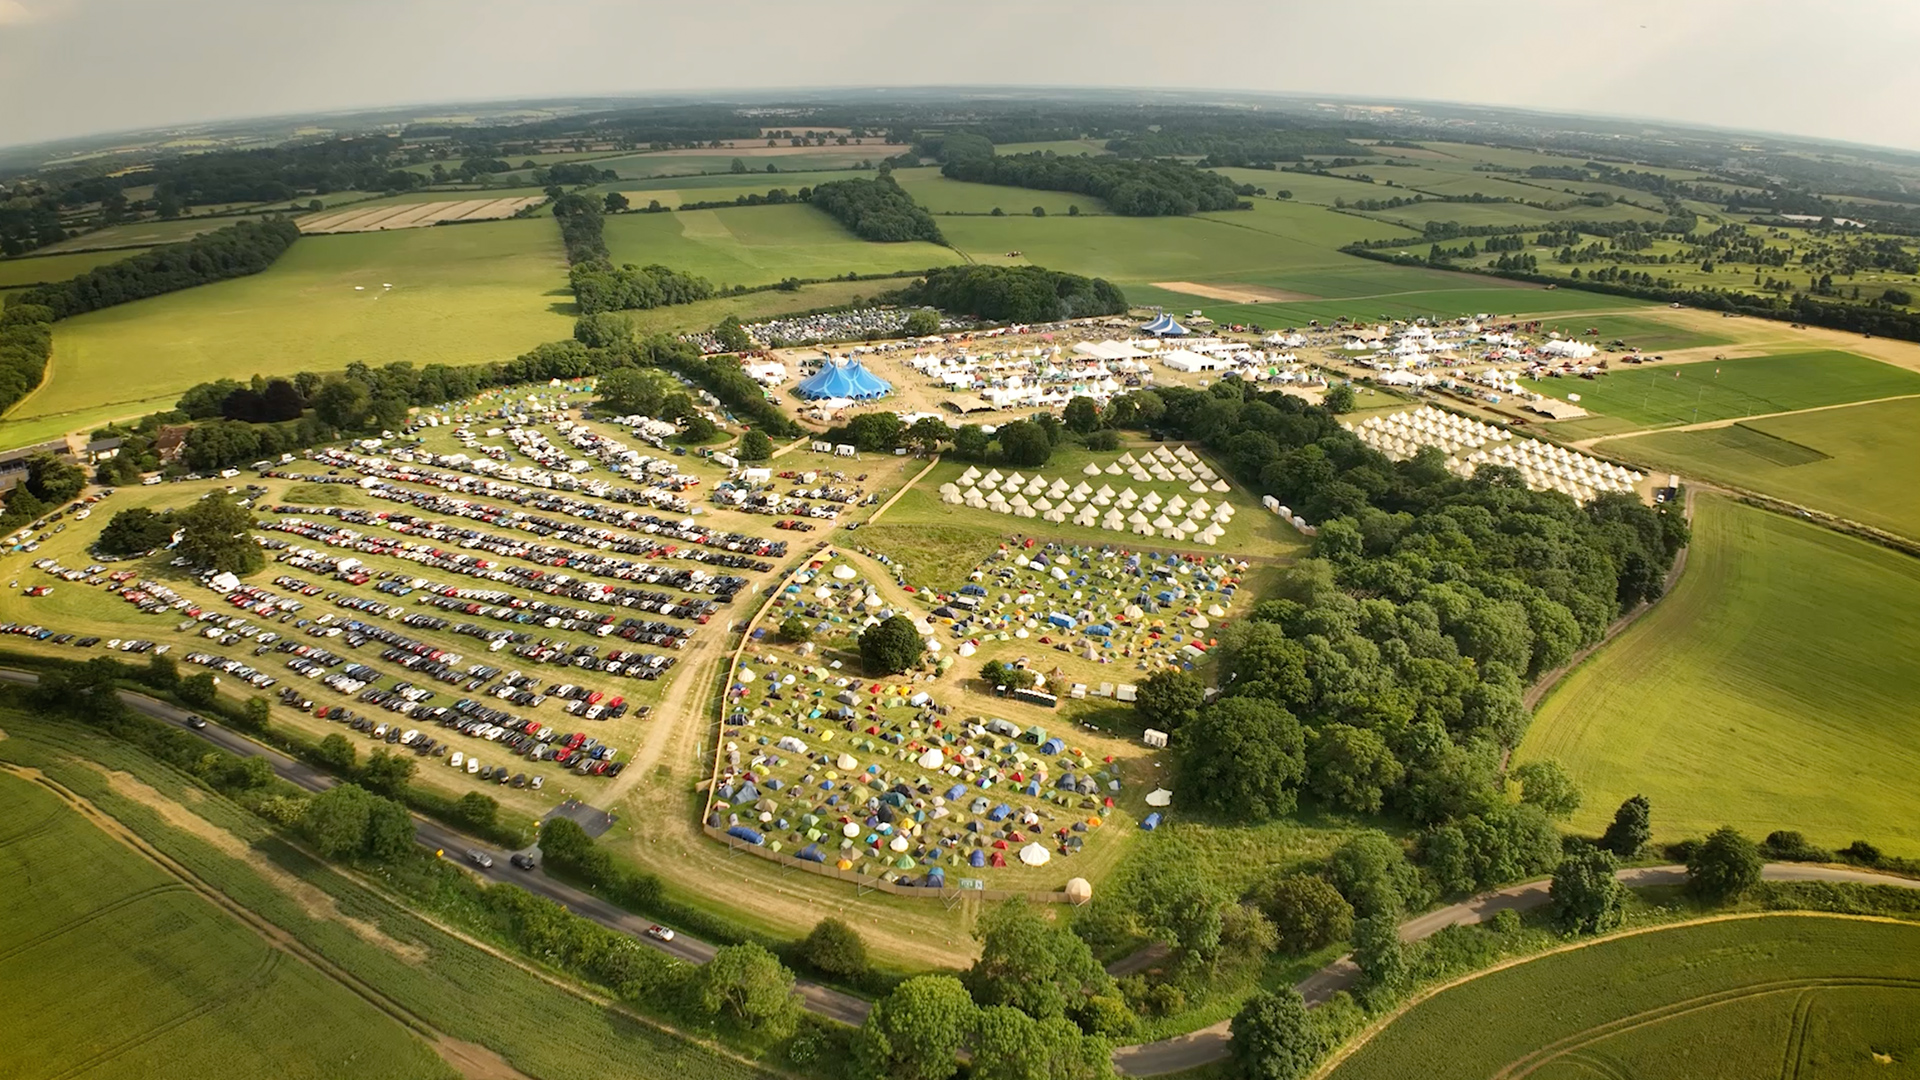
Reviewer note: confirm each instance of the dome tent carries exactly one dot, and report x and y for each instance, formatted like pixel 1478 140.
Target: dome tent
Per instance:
pixel 1164 326
pixel 845 379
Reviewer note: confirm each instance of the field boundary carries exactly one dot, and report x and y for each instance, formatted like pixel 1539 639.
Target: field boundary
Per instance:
pixel 1375 1027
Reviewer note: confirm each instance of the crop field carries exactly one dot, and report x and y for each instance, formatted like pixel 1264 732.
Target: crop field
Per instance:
pixel 1661 395
pixel 453 984
pixel 115 968
pixel 140 234
pixel 1811 997
pixel 785 159
pixel 48 268
pixel 943 196
pixel 414 215
pixel 1847 462
pixel 1761 693
pixel 758 245
pixel 460 295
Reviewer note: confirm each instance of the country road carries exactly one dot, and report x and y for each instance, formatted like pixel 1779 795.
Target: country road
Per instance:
pixel 1147 1059
pixel 819 999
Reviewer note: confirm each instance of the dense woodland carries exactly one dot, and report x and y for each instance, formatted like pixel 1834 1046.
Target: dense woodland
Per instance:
pixel 877 210
pixel 26 343
pixel 243 248
pixel 1142 188
pixel 1018 294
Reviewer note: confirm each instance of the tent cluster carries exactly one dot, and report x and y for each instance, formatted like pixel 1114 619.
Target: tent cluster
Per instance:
pixel 877 778
pixel 1126 510
pixel 1470 444
pixel 847 380
pixel 1096 603
pixel 835 601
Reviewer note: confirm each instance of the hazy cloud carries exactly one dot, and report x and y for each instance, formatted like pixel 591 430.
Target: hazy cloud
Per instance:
pixel 1840 69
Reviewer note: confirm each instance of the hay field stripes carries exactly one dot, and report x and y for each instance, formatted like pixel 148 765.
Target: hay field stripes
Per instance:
pixel 414 215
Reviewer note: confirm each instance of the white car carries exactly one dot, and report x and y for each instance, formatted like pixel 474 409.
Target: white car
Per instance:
pixel 660 933
pixel 458 759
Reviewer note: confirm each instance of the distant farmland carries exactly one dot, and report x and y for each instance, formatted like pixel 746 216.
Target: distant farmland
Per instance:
pixel 414 215
pixel 1657 395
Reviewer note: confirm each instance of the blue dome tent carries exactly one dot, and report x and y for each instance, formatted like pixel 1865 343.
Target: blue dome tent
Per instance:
pixel 844 379
pixel 1164 326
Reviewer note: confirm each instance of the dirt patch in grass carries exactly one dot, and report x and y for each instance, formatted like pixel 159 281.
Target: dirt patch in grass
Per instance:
pixel 475 1062
pixel 1235 293
pixel 316 903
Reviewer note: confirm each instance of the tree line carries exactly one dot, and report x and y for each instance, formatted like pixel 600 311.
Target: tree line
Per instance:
pixel 877 209
pixel 1018 294
pixel 246 247
pixel 26 344
pixel 1134 188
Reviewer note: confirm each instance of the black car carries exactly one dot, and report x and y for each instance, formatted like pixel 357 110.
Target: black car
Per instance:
pixel 196 722
pixel 522 860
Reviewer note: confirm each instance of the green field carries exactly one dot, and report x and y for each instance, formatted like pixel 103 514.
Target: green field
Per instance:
pixel 1807 997
pixel 944 196
pixel 140 234
pixel 1767 691
pixel 47 268
pixel 1660 395
pixel 759 245
pixel 1648 333
pixel 460 295
pixel 1842 461
pixel 452 983
pixel 678 163
pixel 115 968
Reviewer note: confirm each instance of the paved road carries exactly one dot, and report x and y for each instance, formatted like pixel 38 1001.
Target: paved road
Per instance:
pixel 818 999
pixel 1210 1044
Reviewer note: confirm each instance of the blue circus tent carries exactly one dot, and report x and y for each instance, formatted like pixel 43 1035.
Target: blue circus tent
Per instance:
pixel 845 379
pixel 1164 326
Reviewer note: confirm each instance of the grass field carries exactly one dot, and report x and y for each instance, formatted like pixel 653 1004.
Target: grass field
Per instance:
pixel 758 245
pixel 1648 333
pixel 944 196
pixel 1809 997
pixel 1848 462
pixel 456 985
pixel 460 295
pixel 140 234
pixel 1724 389
pixel 1768 691
pixel 114 968
pixel 48 268
pixel 789 159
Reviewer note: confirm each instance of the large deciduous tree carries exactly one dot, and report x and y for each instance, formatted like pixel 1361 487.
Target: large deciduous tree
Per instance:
pixel 1244 757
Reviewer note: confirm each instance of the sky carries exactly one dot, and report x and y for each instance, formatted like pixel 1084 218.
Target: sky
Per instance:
pixel 1838 69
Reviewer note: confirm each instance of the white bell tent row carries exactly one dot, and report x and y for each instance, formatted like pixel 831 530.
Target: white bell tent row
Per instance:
pixel 1469 444
pixel 1125 510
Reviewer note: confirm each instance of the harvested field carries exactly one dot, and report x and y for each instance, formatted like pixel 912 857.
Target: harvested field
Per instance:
pixel 413 215
pixel 1235 293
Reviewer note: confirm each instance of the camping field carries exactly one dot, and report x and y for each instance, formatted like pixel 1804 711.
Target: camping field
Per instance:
pixel 1812 997
pixel 1657 395
pixel 1842 461
pixel 1762 693
pixel 759 245
pixel 460 295
pixel 116 968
